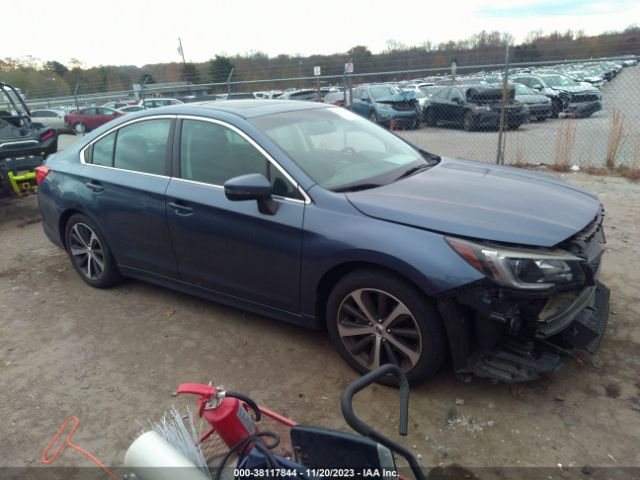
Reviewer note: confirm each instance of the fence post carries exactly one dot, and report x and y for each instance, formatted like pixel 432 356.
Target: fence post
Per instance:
pixel 229 82
pixel 75 95
pixel 505 84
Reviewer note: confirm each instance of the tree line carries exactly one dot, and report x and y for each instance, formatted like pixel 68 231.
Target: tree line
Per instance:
pixel 39 79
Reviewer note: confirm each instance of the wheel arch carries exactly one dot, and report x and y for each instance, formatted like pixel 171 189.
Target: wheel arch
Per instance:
pixel 339 271
pixel 62 223
pixel 64 219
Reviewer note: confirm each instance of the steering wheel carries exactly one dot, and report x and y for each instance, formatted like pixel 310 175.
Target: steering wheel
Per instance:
pixel 349 151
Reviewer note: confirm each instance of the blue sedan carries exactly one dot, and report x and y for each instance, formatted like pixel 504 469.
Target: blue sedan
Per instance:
pixel 313 215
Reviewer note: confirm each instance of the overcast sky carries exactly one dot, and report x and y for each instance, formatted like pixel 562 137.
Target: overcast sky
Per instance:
pixel 118 32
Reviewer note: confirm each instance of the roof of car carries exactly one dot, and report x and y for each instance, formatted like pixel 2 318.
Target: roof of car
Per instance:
pixel 250 108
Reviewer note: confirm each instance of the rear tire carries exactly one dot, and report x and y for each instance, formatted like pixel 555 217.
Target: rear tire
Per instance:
pixel 376 317
pixel 89 253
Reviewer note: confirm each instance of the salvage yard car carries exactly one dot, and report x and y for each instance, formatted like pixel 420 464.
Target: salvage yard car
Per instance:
pixel 383 104
pixel 566 95
pixel 474 107
pixel 86 119
pixel 311 214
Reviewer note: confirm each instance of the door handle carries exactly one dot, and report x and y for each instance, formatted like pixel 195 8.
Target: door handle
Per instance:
pixel 180 209
pixel 94 186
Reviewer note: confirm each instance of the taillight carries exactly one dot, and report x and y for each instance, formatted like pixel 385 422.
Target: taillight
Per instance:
pixel 47 135
pixel 41 172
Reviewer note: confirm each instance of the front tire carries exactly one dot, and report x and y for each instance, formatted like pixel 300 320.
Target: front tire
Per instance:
pixel 89 253
pixel 469 122
pixel 374 117
pixel 375 317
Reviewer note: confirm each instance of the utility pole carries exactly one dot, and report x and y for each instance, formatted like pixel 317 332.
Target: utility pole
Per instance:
pixel 180 51
pixel 501 133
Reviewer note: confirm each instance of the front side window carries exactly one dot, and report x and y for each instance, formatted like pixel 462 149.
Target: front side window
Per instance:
pixel 212 153
pixel 142 146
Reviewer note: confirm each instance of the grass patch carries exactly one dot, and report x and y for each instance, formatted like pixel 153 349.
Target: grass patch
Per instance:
pixel 616 131
pixel 565 141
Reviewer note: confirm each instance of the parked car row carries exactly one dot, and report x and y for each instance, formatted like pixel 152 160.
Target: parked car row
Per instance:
pixel 474 102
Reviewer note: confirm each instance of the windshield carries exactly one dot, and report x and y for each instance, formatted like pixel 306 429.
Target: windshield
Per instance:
pixel 558 81
pixel 382 92
pixel 340 150
pixel 523 90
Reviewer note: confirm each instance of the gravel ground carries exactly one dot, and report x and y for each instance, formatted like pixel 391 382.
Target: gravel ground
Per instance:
pixel 115 356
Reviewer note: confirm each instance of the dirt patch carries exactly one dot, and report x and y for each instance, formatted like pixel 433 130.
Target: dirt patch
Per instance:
pixel 115 356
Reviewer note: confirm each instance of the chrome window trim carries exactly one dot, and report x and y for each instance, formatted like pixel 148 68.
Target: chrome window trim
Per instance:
pixel 257 146
pixel 114 129
pixel 221 187
pixel 270 159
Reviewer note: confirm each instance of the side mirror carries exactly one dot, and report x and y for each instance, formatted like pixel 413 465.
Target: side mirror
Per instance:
pixel 456 100
pixel 253 186
pixel 364 99
pixel 537 87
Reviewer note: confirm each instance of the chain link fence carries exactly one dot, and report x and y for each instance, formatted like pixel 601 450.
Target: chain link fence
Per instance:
pixel 578 114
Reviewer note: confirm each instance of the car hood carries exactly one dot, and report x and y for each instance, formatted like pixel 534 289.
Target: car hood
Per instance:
pixel 531 98
pixel 576 89
pixel 476 200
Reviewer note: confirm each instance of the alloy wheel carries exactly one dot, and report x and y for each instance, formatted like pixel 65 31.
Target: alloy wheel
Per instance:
pixel 86 251
pixel 377 328
pixel 79 128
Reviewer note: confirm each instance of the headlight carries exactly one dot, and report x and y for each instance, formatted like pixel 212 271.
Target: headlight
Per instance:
pixel 520 268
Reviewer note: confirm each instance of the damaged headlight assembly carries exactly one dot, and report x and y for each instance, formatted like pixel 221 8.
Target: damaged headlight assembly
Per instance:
pixel 521 269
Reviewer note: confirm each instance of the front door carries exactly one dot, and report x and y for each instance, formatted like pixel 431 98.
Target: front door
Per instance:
pixel 229 246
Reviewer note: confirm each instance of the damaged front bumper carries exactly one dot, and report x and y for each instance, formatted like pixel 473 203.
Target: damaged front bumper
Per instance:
pixel 514 336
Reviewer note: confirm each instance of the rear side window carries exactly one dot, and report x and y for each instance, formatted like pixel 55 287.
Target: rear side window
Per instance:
pixel 142 147
pixel 103 151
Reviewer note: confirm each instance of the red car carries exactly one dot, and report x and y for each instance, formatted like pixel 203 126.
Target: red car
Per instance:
pixel 86 119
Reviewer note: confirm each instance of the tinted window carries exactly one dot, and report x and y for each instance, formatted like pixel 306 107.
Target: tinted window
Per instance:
pixel 212 153
pixel 103 151
pixel 89 111
pixel 142 147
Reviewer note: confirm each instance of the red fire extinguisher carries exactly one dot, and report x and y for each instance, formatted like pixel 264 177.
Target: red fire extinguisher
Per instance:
pixel 224 411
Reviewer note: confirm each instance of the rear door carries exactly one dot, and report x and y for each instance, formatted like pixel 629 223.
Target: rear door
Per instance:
pixel 125 178
pixel 228 246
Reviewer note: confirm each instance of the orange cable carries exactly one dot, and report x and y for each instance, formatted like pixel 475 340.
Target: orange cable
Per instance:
pixel 68 442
